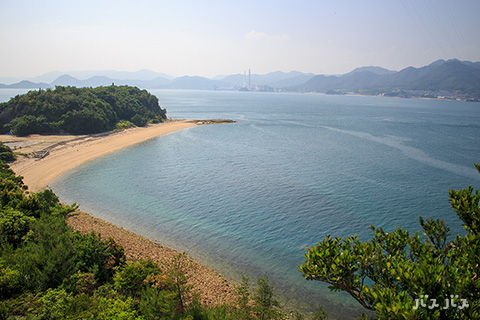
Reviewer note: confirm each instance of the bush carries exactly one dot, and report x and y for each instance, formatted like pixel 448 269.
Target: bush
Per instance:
pixel 130 280
pixel 157 304
pixel 99 257
pixel 124 124
pixel 14 226
pixel 6 153
pixel 54 304
pixel 139 120
pixel 265 303
pixel 11 281
pixel 117 309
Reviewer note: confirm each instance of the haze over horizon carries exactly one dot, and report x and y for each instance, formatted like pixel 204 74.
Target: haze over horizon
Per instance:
pixel 212 38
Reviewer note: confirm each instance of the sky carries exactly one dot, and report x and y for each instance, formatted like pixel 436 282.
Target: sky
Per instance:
pixel 209 38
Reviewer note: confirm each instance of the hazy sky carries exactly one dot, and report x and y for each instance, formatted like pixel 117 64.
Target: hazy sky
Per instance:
pixel 209 38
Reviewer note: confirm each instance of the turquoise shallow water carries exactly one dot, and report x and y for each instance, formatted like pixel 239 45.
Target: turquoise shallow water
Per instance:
pixel 246 198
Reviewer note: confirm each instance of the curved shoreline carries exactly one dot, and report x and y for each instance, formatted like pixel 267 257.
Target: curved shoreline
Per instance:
pixel 65 155
pixel 62 153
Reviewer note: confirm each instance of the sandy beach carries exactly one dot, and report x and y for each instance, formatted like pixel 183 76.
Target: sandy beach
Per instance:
pixel 58 154
pixel 47 157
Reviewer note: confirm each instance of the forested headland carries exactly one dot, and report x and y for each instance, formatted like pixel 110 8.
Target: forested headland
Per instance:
pixel 71 110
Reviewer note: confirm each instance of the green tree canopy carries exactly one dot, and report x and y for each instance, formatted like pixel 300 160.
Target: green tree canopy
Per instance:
pixel 6 154
pixel 78 110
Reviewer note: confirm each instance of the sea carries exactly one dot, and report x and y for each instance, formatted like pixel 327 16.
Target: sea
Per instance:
pixel 248 198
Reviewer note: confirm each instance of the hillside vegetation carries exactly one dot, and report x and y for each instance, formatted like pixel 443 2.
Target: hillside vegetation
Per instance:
pixel 78 110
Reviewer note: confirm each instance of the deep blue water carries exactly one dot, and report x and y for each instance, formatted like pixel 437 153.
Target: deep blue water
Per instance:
pixel 246 198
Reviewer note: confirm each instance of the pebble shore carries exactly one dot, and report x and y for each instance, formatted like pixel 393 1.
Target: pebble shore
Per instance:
pixel 214 289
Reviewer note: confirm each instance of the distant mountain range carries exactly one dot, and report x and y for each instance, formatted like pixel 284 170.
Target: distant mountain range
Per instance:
pixel 150 80
pixel 452 79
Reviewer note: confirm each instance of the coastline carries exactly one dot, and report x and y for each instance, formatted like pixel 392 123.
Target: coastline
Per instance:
pixel 65 153
pixel 214 289
pixel 55 155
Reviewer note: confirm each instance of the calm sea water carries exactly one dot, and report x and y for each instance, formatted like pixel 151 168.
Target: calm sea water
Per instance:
pixel 246 198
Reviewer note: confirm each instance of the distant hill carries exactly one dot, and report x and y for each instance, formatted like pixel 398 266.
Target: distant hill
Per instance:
pixel 67 80
pixel 195 83
pixel 452 78
pixel 376 70
pixel 25 84
pixel 143 75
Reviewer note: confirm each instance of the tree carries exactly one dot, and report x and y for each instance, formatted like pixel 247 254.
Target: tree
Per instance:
pixel 244 310
pixel 130 280
pixel 265 303
pixel 14 226
pixel 404 276
pixel 178 272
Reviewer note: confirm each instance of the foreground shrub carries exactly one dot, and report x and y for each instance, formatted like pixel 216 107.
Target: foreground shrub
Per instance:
pixel 404 276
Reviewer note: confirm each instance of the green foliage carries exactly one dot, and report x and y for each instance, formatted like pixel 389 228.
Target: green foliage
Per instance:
pixel 178 272
pixel 139 120
pixel 3 311
pixel 78 110
pixel 388 273
pixel 33 231
pixel 132 278
pixel 99 257
pixel 265 303
pixel 124 124
pixel 7 174
pixel 117 309
pixel 244 310
pixel 54 304
pixel 10 281
pixel 83 282
pixel 14 226
pixel 6 153
pixel 261 305
pixel 321 313
pixel 157 304
pixel 59 304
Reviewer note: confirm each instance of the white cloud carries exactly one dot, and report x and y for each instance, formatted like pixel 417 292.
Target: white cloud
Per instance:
pixel 254 35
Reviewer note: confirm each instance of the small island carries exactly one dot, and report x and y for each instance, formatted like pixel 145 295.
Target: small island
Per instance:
pixel 71 110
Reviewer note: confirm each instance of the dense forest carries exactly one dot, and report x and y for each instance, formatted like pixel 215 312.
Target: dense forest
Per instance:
pixel 71 110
